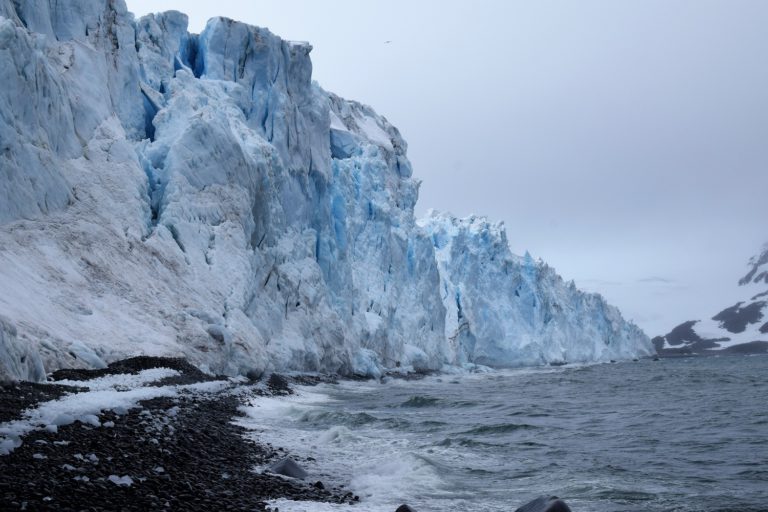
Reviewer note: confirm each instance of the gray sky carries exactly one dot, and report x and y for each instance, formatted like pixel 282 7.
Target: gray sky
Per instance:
pixel 624 142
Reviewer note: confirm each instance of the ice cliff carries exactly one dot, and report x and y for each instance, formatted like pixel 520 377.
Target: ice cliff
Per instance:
pixel 168 193
pixel 507 310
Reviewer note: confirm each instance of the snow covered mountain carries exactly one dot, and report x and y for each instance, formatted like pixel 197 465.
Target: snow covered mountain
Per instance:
pixel 167 193
pixel 738 329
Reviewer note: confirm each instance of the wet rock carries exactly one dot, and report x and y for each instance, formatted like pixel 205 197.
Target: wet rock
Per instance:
pixel 17 396
pixel 180 453
pixel 545 504
pixel 288 467
pixel 254 374
pixel 278 384
pixel 404 508
pixel 190 374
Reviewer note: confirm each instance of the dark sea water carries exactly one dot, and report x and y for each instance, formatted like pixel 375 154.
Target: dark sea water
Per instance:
pixel 672 435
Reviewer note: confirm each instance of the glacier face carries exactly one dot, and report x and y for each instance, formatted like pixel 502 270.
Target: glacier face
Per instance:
pixel 506 310
pixel 171 193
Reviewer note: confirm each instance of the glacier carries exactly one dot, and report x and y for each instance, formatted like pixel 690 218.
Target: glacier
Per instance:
pixel 507 310
pixel 170 193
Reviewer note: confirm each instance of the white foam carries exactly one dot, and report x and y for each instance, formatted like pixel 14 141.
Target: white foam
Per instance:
pixel 311 506
pixel 382 468
pixel 338 435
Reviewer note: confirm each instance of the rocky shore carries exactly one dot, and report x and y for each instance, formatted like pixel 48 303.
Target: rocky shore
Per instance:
pixel 176 451
pixel 151 433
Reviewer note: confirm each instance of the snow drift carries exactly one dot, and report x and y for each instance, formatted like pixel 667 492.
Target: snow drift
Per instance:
pixel 167 193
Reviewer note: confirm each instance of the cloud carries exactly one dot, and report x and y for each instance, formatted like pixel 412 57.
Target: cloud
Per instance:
pixel 656 280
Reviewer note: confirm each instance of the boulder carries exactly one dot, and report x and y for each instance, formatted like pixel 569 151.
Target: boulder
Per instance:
pixel 545 504
pixel 288 467
pixel 278 384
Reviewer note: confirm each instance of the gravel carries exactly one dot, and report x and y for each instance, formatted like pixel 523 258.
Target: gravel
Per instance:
pixel 171 453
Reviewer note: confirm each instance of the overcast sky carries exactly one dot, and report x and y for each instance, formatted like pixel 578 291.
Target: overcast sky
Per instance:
pixel 625 143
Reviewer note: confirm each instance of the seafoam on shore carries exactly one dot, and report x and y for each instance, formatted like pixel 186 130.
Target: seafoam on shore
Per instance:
pixel 674 434
pixel 345 447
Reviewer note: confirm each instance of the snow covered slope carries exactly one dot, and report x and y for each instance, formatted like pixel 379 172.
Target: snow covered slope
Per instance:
pixel 504 309
pixel 167 193
pixel 739 329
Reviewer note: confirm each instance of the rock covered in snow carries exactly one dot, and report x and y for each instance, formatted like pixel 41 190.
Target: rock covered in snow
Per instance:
pixel 174 194
pixel 741 328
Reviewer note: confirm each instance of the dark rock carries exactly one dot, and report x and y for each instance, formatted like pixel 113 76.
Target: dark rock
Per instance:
pixel 684 341
pixel 736 318
pixel 318 485
pixel 254 375
pixel 140 442
pixel 314 380
pixel 545 504
pixel 681 334
pixel 754 275
pixel 751 348
pixel 404 508
pixel 15 397
pixel 190 374
pixel 278 384
pixel 288 467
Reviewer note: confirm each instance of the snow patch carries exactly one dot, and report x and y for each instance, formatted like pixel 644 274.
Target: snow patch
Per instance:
pixel 122 380
pixel 122 481
pixel 118 393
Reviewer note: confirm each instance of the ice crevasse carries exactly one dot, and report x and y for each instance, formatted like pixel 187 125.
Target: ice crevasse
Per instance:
pixel 169 193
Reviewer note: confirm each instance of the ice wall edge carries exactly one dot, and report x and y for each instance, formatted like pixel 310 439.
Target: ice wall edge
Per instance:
pixel 171 193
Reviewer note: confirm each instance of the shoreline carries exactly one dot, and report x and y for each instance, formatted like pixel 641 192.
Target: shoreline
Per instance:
pixel 178 452
pixel 183 448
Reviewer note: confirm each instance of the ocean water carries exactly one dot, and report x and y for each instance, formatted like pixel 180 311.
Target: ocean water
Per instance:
pixel 672 435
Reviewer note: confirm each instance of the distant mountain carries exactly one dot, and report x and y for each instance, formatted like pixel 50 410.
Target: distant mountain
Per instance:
pixel 738 329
